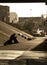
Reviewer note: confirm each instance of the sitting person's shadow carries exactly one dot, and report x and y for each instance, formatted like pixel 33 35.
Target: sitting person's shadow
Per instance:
pixel 12 40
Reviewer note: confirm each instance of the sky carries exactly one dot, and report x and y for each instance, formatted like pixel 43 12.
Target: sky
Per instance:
pixel 27 9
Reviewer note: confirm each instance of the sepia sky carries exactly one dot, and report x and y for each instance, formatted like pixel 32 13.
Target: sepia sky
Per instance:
pixel 27 9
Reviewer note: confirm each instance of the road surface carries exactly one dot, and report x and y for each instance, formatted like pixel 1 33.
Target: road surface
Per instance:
pixel 24 44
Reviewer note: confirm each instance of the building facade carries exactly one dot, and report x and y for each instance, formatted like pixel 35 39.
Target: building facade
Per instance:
pixel 13 17
pixel 4 13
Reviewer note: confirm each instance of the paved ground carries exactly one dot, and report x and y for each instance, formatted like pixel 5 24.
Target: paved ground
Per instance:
pixel 24 44
pixel 23 57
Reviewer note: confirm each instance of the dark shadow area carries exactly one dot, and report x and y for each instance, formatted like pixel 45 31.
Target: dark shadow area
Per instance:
pixel 35 62
pixel 41 47
pixel 7 1
pixel 12 40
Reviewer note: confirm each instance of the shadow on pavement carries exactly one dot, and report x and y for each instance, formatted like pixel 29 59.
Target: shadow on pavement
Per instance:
pixel 41 47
